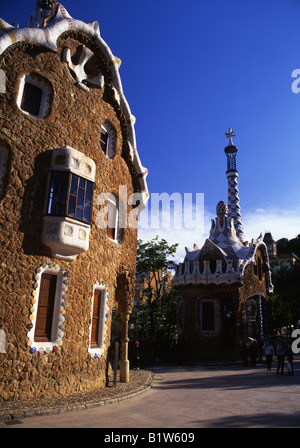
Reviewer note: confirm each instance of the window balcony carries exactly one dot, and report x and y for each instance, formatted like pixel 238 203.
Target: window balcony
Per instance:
pixel 68 211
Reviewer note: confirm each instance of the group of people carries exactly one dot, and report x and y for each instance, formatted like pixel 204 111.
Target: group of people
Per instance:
pixel 281 353
pixel 252 350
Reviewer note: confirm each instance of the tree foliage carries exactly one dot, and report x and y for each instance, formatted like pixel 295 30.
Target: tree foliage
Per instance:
pixel 158 302
pixel 286 246
pixel 286 297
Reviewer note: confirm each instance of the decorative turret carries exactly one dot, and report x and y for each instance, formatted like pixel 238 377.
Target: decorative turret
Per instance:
pixel 234 209
pixel 230 151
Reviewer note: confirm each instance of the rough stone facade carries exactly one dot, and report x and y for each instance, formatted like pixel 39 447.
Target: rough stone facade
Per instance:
pixel 73 120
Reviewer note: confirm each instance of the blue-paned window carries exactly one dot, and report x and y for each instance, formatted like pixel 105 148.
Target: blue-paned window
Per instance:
pixel 70 195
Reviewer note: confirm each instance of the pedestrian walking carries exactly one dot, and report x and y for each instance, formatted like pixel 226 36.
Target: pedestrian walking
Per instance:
pixel 280 357
pixel 269 355
pixel 290 359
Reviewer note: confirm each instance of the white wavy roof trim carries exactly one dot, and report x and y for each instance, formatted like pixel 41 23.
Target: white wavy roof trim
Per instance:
pixel 245 256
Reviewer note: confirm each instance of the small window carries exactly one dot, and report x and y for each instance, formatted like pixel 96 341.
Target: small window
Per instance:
pixel 70 195
pixel 31 99
pixel 44 319
pixel 104 140
pixel 208 316
pixel 98 323
pixel 96 316
pixel 108 140
pixel 35 95
pixel 112 219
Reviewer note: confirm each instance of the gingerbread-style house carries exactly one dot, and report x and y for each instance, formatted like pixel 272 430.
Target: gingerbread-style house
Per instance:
pixel 224 286
pixel 70 177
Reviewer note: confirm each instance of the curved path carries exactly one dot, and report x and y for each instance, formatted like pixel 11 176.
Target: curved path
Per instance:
pixel 194 397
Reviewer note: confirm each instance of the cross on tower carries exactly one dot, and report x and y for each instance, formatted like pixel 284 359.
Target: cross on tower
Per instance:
pixel 229 135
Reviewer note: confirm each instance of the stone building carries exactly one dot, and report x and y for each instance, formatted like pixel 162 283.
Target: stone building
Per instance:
pixel 70 181
pixel 224 285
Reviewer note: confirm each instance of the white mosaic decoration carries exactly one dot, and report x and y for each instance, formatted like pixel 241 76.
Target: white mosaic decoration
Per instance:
pixel 234 209
pixel 98 352
pixel 83 80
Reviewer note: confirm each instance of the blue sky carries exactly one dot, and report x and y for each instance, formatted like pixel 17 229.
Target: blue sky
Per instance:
pixel 190 70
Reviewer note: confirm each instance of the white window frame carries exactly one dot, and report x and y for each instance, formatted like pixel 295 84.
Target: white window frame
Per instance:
pixel 97 352
pixel 111 137
pixel 58 310
pixel 46 93
pixel 112 200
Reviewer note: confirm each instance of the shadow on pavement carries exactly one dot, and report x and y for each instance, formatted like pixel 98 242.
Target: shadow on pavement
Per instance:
pixel 234 378
pixel 254 421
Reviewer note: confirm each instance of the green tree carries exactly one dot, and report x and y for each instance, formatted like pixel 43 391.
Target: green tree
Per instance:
pixel 158 300
pixel 286 297
pixel 286 246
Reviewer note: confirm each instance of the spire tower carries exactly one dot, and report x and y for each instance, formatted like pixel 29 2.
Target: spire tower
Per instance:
pixel 234 209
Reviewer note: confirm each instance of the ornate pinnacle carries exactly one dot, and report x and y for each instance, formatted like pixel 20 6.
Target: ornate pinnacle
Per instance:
pixel 229 135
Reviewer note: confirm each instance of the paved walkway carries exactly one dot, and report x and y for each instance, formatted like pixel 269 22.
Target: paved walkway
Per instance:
pixel 202 396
